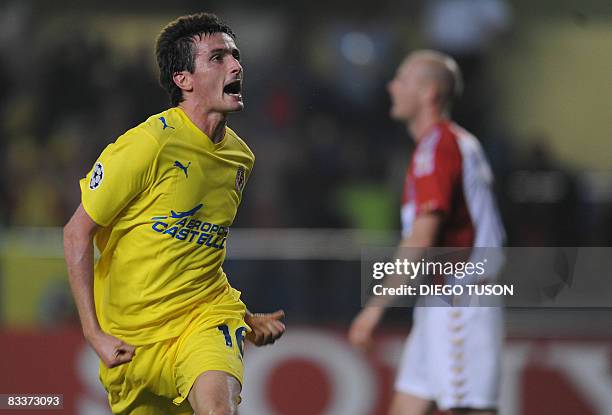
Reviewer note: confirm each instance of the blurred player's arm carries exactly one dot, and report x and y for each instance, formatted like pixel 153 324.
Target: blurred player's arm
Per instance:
pixel 265 328
pixel 424 234
pixel 79 253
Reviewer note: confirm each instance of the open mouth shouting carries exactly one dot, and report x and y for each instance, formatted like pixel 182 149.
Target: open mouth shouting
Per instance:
pixel 234 89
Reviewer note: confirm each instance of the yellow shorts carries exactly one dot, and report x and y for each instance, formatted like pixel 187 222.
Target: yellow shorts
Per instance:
pixel 159 378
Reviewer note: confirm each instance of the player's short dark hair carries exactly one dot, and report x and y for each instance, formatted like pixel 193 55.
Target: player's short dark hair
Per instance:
pixel 175 50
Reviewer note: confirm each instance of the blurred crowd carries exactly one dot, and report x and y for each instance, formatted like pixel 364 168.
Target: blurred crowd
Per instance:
pixel 316 116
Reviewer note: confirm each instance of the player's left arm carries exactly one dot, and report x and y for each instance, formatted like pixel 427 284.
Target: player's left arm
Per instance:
pixel 424 231
pixel 434 184
pixel 424 235
pixel 265 328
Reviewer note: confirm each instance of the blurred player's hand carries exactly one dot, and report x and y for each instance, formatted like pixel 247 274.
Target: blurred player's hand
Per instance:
pixel 266 328
pixel 112 351
pixel 362 327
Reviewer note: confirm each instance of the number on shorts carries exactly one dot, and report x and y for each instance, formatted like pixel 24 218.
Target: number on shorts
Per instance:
pixel 225 330
pixel 240 332
pixel 239 335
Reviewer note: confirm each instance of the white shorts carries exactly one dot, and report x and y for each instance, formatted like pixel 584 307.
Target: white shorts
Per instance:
pixel 452 357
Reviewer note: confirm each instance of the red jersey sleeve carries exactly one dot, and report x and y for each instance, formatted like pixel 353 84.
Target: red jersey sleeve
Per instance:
pixel 437 174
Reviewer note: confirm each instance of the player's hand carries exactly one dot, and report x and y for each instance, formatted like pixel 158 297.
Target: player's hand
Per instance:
pixel 112 351
pixel 266 328
pixel 362 327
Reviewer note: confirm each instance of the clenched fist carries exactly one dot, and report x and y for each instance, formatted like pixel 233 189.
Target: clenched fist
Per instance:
pixel 266 328
pixel 111 350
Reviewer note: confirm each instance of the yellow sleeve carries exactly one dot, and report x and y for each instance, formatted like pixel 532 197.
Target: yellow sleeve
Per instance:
pixel 123 171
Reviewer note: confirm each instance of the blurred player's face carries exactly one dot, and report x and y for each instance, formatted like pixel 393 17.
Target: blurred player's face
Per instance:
pixel 217 77
pixel 406 91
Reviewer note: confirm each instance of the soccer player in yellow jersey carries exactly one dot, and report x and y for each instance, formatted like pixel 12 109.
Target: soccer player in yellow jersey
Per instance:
pixel 157 307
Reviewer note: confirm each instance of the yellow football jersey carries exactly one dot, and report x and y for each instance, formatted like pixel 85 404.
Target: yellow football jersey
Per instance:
pixel 165 196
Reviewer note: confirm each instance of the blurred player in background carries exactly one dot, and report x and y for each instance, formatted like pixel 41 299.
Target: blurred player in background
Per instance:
pixel 452 356
pixel 158 308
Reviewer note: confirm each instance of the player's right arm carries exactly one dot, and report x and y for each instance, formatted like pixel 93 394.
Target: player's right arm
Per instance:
pixel 123 171
pixel 78 251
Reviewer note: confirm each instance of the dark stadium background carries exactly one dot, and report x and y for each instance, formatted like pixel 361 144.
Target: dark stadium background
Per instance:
pixel 328 178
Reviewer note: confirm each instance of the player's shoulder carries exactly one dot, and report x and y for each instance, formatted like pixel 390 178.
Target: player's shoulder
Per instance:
pixel 160 127
pixel 465 140
pixel 452 140
pixel 447 136
pixel 440 141
pixel 239 143
pixel 148 137
pixel 139 141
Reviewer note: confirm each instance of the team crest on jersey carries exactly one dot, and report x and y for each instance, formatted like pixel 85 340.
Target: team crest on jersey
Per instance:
pixel 96 176
pixel 240 179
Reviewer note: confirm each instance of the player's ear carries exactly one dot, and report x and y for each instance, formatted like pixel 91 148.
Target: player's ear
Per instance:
pixel 431 92
pixel 183 80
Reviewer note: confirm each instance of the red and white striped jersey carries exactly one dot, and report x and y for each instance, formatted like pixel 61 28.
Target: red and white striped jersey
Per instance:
pixel 449 173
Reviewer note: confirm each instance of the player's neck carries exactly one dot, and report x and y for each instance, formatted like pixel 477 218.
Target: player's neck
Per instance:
pixel 210 123
pixel 424 122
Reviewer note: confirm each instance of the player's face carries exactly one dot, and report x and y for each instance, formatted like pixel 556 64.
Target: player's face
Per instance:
pixel 404 90
pixel 217 77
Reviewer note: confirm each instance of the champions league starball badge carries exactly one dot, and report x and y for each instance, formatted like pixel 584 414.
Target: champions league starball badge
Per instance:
pixel 240 179
pixel 96 176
